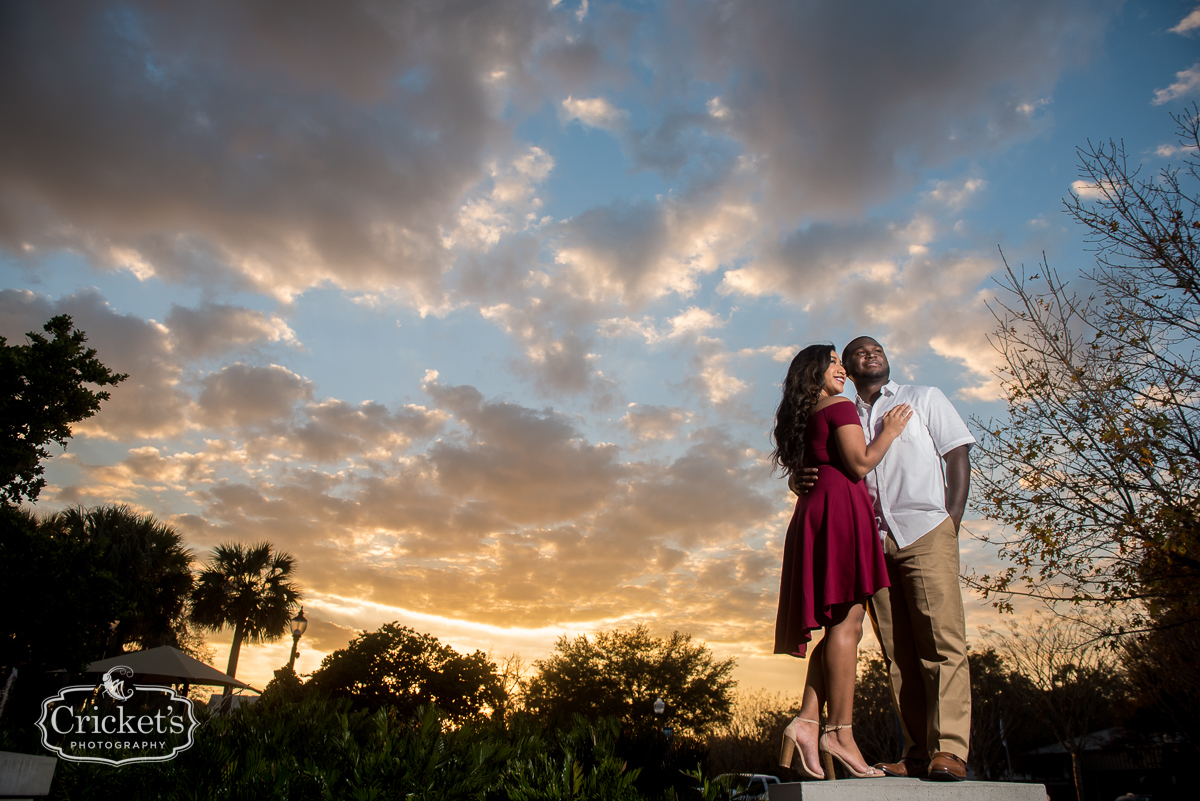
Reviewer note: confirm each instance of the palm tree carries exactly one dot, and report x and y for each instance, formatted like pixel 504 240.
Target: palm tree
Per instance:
pixel 149 563
pixel 245 588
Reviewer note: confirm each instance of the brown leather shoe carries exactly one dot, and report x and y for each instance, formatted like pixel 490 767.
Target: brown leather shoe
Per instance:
pixel 906 768
pixel 946 767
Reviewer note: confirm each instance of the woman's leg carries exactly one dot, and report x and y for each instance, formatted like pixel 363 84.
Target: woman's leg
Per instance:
pixel 841 668
pixel 806 734
pixel 814 683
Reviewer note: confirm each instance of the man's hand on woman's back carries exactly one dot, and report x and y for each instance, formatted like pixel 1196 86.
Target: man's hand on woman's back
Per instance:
pixel 803 480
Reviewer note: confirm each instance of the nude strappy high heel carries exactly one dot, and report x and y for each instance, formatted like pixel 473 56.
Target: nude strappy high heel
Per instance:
pixel 792 747
pixel 823 747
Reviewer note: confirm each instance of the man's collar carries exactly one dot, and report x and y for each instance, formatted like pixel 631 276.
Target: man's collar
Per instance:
pixel 890 389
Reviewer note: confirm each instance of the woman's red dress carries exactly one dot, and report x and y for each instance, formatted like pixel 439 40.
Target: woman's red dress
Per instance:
pixel 832 554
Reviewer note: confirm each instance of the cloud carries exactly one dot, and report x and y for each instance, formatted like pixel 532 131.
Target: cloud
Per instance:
pixel 557 356
pixel 626 326
pixel 323 635
pixel 707 495
pixel 956 195
pixel 514 459
pixel 937 302
pixel 1187 83
pixel 1166 151
pixel 511 517
pixel 883 276
pixel 579 56
pixel 336 430
pixel 595 112
pixel 212 144
pixel 508 206
pixel 634 253
pixel 688 324
pixel 271 405
pixel 1189 23
pixel 971 77
pixel 146 473
pixel 649 423
pixel 501 274
pixel 693 320
pixel 710 378
pixel 617 251
pixel 810 264
pixel 242 395
pixel 778 353
pixel 975 352
pixel 151 402
pixel 212 329
pixel 1087 191
pixel 717 108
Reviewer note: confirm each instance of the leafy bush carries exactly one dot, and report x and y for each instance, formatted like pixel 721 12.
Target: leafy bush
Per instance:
pixel 404 669
pixel 322 749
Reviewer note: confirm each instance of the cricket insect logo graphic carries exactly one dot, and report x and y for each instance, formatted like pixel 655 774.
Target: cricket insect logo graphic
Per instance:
pixel 114 687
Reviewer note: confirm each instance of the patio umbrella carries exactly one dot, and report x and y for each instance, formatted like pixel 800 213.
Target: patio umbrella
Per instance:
pixel 168 665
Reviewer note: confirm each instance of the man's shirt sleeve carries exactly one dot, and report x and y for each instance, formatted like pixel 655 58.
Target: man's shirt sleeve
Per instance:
pixel 945 426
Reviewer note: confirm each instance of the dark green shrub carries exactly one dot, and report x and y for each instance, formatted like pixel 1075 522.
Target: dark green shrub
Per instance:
pixel 321 749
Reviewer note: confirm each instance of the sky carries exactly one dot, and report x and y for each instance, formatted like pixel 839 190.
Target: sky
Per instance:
pixel 481 309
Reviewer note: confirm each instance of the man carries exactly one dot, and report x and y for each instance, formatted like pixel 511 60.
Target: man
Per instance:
pixel 919 620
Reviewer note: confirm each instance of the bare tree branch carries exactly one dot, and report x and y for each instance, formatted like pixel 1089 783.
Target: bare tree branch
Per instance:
pixel 1096 472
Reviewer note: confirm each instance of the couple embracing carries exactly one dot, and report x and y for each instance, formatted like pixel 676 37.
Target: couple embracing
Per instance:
pixel 876 525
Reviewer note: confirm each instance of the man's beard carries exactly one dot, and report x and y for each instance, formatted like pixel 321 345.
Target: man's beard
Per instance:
pixel 884 373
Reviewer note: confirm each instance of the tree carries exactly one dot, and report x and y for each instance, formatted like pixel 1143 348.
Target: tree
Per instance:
pixel 749 741
pixel 1096 473
pixel 621 673
pixel 1161 667
pixel 401 668
pixel 513 672
pixel 246 588
pixel 104 578
pixel 876 726
pixel 151 565
pixel 998 694
pixel 44 394
pixel 1072 685
pixel 60 598
pixel 1001 723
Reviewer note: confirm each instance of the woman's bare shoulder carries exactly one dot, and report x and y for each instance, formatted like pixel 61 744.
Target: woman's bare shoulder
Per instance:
pixel 827 402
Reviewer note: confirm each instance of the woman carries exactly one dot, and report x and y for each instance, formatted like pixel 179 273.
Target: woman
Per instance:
pixel 832 557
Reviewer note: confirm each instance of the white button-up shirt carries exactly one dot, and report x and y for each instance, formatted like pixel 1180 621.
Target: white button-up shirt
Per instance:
pixel 908 487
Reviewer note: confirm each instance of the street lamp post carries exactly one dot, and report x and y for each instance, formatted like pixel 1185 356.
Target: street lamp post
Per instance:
pixel 299 624
pixel 659 708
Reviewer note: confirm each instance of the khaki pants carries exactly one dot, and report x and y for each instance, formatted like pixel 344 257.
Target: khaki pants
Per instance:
pixel 921 625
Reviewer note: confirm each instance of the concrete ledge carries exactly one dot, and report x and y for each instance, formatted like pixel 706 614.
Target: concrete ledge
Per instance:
pixel 25 775
pixel 893 789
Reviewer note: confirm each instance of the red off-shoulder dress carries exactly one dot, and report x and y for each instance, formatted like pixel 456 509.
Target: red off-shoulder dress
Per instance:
pixel 832 554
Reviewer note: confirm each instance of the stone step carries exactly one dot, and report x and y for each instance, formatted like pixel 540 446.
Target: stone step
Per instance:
pixel 893 789
pixel 26 775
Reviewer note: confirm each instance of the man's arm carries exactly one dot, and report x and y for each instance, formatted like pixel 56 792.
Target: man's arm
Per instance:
pixel 958 482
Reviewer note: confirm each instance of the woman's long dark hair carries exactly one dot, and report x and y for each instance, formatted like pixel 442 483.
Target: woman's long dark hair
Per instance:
pixel 801 391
